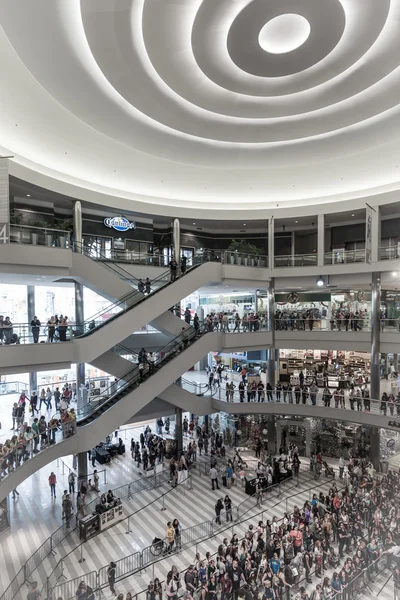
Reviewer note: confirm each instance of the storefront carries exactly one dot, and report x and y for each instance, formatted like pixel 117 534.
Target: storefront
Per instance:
pixel 230 303
pixel 334 368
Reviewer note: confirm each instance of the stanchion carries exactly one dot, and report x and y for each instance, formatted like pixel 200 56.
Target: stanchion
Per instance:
pixel 163 503
pixel 128 529
pixel 105 477
pixel 82 559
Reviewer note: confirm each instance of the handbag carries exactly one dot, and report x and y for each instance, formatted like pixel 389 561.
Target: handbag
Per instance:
pixel 294 572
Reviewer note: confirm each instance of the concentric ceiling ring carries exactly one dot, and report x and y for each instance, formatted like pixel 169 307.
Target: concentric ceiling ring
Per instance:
pixel 327 21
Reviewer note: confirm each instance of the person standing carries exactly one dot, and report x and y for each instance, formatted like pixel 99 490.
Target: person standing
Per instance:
pixel 219 506
pixel 52 484
pixel 173 268
pixel 35 327
pixel 214 478
pixel 71 482
pixel 93 457
pixel 111 577
pixel 228 508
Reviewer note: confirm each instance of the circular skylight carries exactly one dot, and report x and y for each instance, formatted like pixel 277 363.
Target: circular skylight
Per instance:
pixel 284 34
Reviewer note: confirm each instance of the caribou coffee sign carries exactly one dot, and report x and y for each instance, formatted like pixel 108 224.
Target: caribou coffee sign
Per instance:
pixel 119 223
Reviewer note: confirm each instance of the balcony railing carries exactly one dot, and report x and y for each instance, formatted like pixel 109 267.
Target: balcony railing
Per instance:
pixel 296 260
pixel 389 252
pixel 39 236
pixel 344 257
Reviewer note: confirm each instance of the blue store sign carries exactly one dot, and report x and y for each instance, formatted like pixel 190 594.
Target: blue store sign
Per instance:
pixel 119 224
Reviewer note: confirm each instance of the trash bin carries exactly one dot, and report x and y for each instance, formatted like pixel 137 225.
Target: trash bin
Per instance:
pixel 384 466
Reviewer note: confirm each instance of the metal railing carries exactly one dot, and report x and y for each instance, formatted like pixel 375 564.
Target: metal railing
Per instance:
pixel 40 236
pixel 304 397
pixel 389 252
pixel 50 544
pixel 139 560
pixel 344 257
pixel 296 260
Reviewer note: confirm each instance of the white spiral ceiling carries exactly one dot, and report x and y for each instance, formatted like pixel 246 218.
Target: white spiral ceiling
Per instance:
pixel 176 104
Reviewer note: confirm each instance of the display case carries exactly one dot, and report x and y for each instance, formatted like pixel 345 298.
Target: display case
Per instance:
pixel 89 526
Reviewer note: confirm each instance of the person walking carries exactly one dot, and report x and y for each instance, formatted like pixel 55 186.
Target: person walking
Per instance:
pixel 67 510
pixel 111 577
pixel 52 484
pixel 214 478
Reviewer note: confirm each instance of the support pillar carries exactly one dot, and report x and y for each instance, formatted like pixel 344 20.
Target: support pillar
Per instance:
pixel 375 335
pixel 271 359
pixel 178 432
pixel 308 441
pixel 396 362
pixel 278 435
pixel 321 240
pixel 271 243
pixel 32 383
pixel 375 359
pixel 77 226
pixel 293 248
pixel 271 434
pixel 177 241
pixel 82 466
pixel 30 297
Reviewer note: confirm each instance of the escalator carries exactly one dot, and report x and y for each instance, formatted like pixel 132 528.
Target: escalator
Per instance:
pixel 87 412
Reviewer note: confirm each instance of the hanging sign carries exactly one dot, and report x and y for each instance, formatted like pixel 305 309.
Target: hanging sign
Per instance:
pixel 119 223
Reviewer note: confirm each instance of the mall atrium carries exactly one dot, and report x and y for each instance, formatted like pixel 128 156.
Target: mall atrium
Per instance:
pixel 199 299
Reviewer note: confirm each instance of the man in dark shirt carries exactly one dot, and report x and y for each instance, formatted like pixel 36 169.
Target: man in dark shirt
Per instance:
pixel 236 576
pixel 35 326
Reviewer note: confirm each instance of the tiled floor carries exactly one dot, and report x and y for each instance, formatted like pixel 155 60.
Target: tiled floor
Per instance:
pixel 28 533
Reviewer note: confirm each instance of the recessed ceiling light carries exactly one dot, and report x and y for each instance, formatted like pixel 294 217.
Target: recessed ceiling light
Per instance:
pixel 320 282
pixel 296 221
pixel 353 215
pixel 244 223
pixel 28 195
pixel 194 223
pixel 394 273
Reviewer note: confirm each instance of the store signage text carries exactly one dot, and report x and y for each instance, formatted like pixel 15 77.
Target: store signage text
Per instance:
pixel 119 223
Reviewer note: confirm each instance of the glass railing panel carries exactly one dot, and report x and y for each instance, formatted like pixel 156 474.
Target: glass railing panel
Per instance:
pixel 333 324
pixel 389 252
pixel 40 236
pixel 342 257
pixel 296 260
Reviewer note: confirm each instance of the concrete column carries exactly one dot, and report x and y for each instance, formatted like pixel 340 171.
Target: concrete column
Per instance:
pixel 372 233
pixel 278 434
pixel 271 434
pixel 82 465
pixel 293 247
pixel 81 391
pixel 375 335
pixel 308 441
pixel 32 383
pixel 321 240
pixel 177 240
pixel 374 451
pixel 271 243
pixel 77 225
pixel 375 358
pixel 271 358
pixel 178 432
pixel 396 362
pixel 30 296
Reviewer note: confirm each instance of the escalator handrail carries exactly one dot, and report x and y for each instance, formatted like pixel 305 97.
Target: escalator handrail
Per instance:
pixel 133 375
pixel 99 257
pixel 123 300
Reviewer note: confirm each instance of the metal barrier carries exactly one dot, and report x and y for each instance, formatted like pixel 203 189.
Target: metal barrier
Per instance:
pixel 124 566
pixel 68 589
pixel 15 586
pixel 38 557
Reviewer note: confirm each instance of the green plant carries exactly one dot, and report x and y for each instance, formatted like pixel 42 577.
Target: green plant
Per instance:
pixel 15 218
pixel 64 224
pixel 243 247
pixel 40 223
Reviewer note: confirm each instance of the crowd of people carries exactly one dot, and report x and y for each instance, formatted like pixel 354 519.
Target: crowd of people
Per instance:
pixel 34 432
pixel 54 330
pixel 336 542
pixel 302 319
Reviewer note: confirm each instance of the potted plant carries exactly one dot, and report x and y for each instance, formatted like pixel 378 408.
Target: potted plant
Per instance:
pixel 16 219
pixel 64 225
pixel 39 224
pixel 245 251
